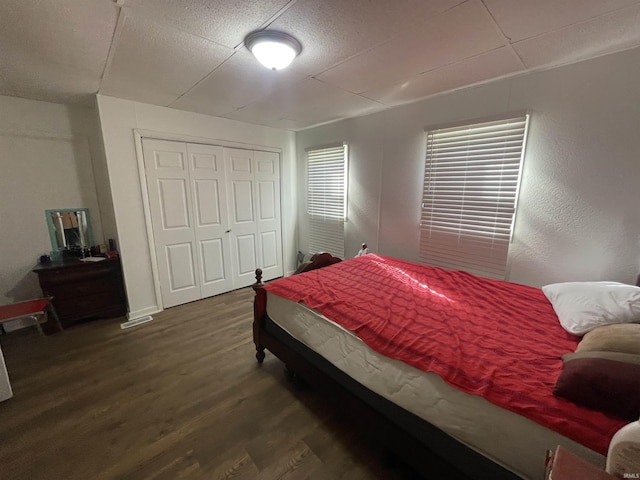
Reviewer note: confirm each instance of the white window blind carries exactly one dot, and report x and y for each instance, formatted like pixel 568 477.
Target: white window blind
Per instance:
pixel 327 199
pixel 471 182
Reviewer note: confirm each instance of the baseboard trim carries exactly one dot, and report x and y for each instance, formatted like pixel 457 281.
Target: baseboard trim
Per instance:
pixel 143 313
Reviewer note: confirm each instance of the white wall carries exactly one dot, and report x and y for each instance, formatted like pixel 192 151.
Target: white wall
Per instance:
pixel 579 210
pixel 46 153
pixel 118 119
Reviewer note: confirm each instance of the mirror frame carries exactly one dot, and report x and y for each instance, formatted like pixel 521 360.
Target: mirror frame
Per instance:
pixel 52 231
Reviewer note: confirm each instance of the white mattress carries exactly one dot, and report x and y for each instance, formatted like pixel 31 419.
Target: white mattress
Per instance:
pixel 507 438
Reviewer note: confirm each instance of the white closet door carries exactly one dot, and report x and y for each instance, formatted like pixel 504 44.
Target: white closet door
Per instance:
pixel 208 187
pixel 170 201
pixel 242 215
pixel 269 232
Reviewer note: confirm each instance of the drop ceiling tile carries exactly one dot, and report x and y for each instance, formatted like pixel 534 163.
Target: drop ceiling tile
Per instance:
pixel 223 21
pixel 520 19
pixel 70 33
pixel 498 63
pixel 239 81
pixel 5 89
pixel 58 84
pixel 53 50
pixel 606 34
pixel 310 102
pixel 460 33
pixel 257 116
pixel 287 124
pixel 156 64
pixel 138 92
pixel 260 113
pixel 216 108
pixel 332 30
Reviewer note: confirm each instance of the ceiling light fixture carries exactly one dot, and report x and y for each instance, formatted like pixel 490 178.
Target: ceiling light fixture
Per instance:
pixel 275 50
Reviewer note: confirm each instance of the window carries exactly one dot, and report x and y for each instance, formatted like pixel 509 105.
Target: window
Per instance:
pixel 327 198
pixel 471 181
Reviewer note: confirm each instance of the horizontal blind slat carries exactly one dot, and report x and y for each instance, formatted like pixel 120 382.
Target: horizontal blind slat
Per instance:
pixel 470 187
pixel 326 193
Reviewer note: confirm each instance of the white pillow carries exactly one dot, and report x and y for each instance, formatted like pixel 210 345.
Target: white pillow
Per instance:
pixel 583 306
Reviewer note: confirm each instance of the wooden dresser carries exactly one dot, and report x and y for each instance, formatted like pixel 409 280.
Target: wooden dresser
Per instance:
pixel 83 290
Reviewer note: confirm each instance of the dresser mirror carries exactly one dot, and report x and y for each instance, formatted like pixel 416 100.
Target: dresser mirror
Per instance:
pixel 69 228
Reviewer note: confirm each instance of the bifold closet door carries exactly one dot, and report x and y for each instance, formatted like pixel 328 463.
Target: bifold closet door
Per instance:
pixel 253 180
pixel 211 221
pixel 187 199
pixel 268 221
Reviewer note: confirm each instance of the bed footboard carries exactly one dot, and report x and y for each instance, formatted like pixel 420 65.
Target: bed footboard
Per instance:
pixel 260 337
pixel 259 314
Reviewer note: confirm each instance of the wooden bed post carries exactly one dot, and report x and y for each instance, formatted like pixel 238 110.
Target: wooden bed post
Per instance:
pixel 259 312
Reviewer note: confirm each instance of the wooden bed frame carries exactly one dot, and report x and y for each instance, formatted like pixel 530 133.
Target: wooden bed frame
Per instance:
pixel 427 449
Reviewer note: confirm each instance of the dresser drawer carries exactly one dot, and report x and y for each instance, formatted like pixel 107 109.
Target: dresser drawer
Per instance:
pixel 85 306
pixel 61 276
pixel 79 288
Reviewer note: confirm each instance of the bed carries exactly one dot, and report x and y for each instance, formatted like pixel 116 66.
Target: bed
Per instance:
pixel 328 325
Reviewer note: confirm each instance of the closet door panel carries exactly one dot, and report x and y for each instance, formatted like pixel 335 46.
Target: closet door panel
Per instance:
pixel 211 218
pixel 267 200
pixel 212 252
pixel 173 198
pixel 268 221
pixel 269 250
pixel 180 260
pixel 170 202
pixel 207 203
pixel 242 203
pixel 242 207
pixel 246 259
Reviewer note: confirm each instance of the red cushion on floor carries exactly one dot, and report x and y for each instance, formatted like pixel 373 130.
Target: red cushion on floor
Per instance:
pixel 22 309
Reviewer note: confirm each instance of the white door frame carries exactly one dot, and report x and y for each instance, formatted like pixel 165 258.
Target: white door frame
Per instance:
pixel 138 135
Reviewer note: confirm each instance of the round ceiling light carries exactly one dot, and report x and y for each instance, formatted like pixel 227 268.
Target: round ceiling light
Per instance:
pixel 275 50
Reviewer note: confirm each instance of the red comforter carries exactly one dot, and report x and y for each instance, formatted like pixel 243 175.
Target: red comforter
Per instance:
pixel 496 339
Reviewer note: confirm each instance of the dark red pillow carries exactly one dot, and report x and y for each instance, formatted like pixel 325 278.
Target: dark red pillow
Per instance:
pixel 605 381
pixel 319 260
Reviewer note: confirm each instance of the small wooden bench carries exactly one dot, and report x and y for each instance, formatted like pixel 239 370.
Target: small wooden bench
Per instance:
pixel 34 309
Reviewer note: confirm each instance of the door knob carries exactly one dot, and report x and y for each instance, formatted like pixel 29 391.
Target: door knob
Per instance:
pixel 228 231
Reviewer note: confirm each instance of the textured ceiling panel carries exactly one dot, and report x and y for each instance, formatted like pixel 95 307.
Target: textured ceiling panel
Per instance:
pixel 239 81
pixel 287 124
pixel 460 33
pixel 224 21
pixel 5 89
pixel 57 47
pixel 494 64
pixel 187 53
pixel 157 64
pixel 605 34
pixel 262 113
pixel 521 19
pixel 332 30
pixel 53 83
pixel 309 102
pixel 216 108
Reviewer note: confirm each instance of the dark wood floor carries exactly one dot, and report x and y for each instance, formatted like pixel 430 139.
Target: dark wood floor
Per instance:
pixel 180 397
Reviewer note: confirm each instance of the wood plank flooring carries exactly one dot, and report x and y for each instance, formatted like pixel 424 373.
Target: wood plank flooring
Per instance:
pixel 180 397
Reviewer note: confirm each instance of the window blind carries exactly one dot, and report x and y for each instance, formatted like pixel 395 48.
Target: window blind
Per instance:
pixel 472 175
pixel 327 199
